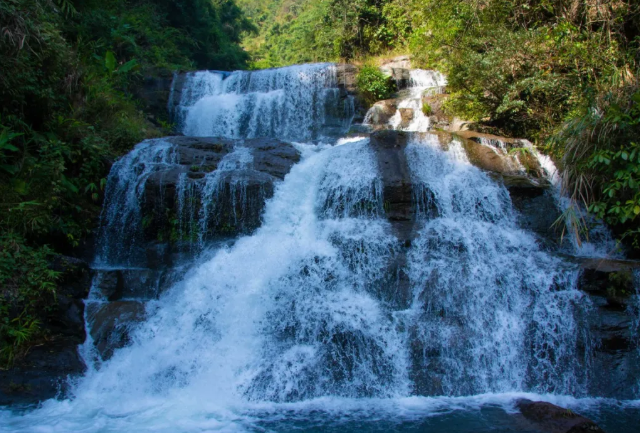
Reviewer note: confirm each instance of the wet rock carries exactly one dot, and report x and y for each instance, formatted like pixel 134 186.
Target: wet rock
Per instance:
pixel 504 155
pixel 239 195
pixel 347 77
pixel 611 285
pixel 554 419
pixel 111 323
pixel 406 115
pixel 614 280
pixel 399 205
pixel 140 284
pixel 382 112
pixel 42 374
pixel 537 209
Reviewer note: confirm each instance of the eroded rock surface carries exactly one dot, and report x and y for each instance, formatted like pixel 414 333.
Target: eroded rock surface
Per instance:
pixel 111 323
pixel 554 419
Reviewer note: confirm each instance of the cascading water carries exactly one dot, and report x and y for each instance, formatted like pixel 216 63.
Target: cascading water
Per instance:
pixel 498 314
pixel 409 115
pixel 295 326
pixel 298 103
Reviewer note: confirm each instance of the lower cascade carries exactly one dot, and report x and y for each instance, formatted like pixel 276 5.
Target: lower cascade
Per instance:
pixel 339 284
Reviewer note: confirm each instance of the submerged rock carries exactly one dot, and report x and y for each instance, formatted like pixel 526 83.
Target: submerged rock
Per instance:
pixel 554 419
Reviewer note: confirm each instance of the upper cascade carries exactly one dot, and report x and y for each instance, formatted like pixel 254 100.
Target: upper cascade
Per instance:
pixel 406 112
pixel 299 103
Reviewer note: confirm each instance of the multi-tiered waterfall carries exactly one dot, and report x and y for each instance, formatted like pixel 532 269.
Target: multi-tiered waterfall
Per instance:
pixel 390 285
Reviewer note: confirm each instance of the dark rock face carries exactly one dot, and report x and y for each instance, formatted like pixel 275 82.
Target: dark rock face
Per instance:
pixel 616 358
pixel 240 194
pixel 43 372
pixel 347 76
pixel 154 93
pixel 172 205
pixel 111 323
pixel 553 419
pixel 399 204
pixel 536 206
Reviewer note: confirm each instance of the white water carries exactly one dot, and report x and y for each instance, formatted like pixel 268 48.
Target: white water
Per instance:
pixel 121 225
pixel 298 102
pixel 294 320
pixel 422 82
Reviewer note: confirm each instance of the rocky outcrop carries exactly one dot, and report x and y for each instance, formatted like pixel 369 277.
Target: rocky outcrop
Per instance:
pixel 42 373
pixel 399 206
pixel 613 286
pixel 111 323
pixel 173 198
pixel 399 69
pixel 381 112
pixel 406 116
pixel 154 92
pixel 550 418
pixel 347 77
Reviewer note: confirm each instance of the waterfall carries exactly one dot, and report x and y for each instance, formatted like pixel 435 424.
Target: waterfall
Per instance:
pixel 298 103
pixel 298 320
pixel 409 115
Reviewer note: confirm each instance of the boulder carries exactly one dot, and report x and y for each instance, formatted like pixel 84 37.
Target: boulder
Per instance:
pixel 406 115
pixel 501 154
pixel 111 322
pixel 399 69
pixel 347 76
pixel 381 112
pixel 550 418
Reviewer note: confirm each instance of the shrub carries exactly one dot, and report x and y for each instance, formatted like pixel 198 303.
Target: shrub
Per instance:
pixel 373 85
pixel 27 292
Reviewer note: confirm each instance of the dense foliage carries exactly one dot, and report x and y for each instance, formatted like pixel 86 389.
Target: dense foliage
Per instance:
pixel 560 72
pixel 373 85
pixel 70 70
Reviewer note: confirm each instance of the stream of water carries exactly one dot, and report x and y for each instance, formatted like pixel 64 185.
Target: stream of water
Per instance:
pixel 299 327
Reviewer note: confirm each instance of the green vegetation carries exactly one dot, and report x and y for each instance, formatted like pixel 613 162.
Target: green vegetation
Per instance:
pixel 562 73
pixel 70 79
pixel 373 85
